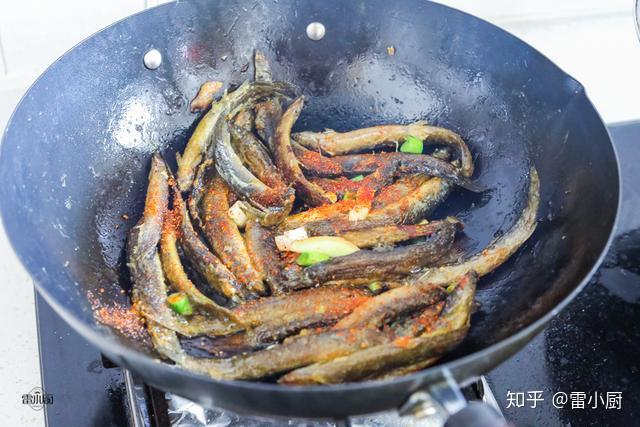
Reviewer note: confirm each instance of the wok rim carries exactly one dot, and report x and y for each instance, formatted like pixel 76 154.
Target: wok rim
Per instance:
pixel 110 346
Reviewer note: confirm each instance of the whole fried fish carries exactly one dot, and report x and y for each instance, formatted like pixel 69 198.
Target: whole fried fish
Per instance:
pixel 499 250
pixel 173 269
pixel 403 351
pixel 288 164
pixel 380 264
pixel 149 294
pixel 225 238
pixel 272 319
pixel 400 163
pixel 336 143
pixel 201 141
pixel 410 209
pixel 276 200
pixel 364 236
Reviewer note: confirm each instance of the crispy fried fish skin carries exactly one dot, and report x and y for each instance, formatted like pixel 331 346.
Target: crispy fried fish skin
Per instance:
pixel 151 300
pixel 262 67
pixel 402 187
pixel 149 289
pixel 225 239
pixel 174 271
pixel 457 308
pixel 315 305
pixel 338 224
pixel 386 234
pixel 390 305
pixel 339 210
pixel 225 346
pixel 255 156
pixel 380 264
pixel 409 209
pixel 278 317
pixel 197 190
pixel 364 363
pixel 381 167
pixel 336 143
pixel 341 186
pixel 244 119
pixel 419 322
pixel 501 249
pixel 262 250
pixel 243 182
pixel 415 206
pixel 165 342
pixel 201 140
pixel 204 97
pixel 449 331
pixel 288 164
pixel 268 114
pixel 175 274
pixel 149 228
pixel 402 164
pixel 210 267
pixel 315 162
pixel 454 316
pixel 364 234
pixel 204 262
pixel 298 351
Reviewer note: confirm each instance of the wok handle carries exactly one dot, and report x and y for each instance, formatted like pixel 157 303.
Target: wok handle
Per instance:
pixel 444 405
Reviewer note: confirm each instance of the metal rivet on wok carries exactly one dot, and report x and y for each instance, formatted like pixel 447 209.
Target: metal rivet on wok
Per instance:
pixel 315 31
pixel 152 59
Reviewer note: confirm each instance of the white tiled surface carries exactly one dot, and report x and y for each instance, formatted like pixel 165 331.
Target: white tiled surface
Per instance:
pixel 36 32
pixel 33 33
pixel 19 366
pixel 593 40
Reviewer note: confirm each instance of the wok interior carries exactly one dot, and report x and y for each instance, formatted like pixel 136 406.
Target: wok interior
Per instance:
pixel 76 155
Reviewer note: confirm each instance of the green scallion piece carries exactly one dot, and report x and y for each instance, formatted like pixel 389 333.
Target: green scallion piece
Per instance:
pixel 180 303
pixel 357 178
pixel 374 287
pixel 412 145
pixel 310 258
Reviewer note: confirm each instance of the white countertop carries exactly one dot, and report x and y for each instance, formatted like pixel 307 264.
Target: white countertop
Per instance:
pixel 596 44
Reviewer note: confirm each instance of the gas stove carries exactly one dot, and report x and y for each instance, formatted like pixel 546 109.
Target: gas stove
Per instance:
pixel 583 369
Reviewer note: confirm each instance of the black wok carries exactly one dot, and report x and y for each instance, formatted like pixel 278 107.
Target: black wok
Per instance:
pixel 76 152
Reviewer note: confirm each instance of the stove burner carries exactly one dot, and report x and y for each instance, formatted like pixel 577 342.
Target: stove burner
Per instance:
pixel 180 412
